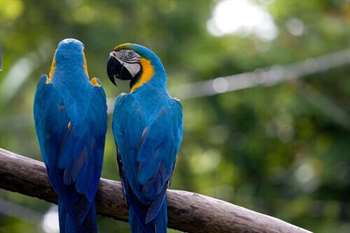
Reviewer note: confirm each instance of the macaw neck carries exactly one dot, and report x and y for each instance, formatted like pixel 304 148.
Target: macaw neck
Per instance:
pixel 73 76
pixel 153 76
pixel 159 80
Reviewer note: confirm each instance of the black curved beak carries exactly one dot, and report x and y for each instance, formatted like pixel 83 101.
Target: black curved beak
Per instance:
pixel 116 70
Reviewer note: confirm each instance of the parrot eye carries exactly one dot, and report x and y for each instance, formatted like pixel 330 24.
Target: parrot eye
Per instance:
pixel 129 54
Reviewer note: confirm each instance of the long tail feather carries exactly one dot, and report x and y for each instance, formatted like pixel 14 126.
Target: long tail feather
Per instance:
pixel 70 223
pixel 157 225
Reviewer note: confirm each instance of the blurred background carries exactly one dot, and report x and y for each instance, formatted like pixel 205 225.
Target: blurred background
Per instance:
pixel 275 138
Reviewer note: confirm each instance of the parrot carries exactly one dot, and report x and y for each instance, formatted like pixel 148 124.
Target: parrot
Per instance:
pixel 70 114
pixel 148 130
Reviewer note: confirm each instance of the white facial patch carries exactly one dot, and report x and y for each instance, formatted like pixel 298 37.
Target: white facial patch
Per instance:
pixel 128 59
pixel 133 68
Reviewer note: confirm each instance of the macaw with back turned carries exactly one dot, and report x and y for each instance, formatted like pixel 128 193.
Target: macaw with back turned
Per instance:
pixel 147 127
pixel 70 114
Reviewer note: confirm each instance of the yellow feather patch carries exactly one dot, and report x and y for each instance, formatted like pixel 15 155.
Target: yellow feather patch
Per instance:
pixel 85 64
pixel 95 82
pixel 147 74
pixel 51 71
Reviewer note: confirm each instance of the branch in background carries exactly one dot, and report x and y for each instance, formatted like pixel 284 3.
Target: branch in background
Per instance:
pixel 325 104
pixel 263 77
pixel 189 212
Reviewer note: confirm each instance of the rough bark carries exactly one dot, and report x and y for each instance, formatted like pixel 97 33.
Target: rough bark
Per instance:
pixel 188 212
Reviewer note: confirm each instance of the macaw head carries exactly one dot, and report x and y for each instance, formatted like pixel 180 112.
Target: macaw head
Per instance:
pixel 69 56
pixel 136 63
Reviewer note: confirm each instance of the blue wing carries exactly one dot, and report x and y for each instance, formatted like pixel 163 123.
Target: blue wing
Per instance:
pixel 147 148
pixel 72 145
pixel 50 121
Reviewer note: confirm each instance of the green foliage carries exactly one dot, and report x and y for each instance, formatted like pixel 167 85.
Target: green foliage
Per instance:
pixel 271 149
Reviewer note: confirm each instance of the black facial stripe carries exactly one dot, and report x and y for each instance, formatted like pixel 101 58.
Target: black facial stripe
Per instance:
pixel 132 61
pixel 124 74
pixel 136 78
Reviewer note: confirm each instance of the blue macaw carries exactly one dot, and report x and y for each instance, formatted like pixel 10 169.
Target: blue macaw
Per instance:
pixel 70 114
pixel 147 127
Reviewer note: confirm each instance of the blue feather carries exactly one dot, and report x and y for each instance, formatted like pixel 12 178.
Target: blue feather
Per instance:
pixel 147 127
pixel 71 120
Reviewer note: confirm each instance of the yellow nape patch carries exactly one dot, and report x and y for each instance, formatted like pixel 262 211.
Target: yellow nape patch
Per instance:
pixel 95 82
pixel 51 71
pixel 147 74
pixel 85 64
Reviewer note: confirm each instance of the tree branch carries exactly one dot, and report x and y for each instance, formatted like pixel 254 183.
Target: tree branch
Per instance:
pixel 189 212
